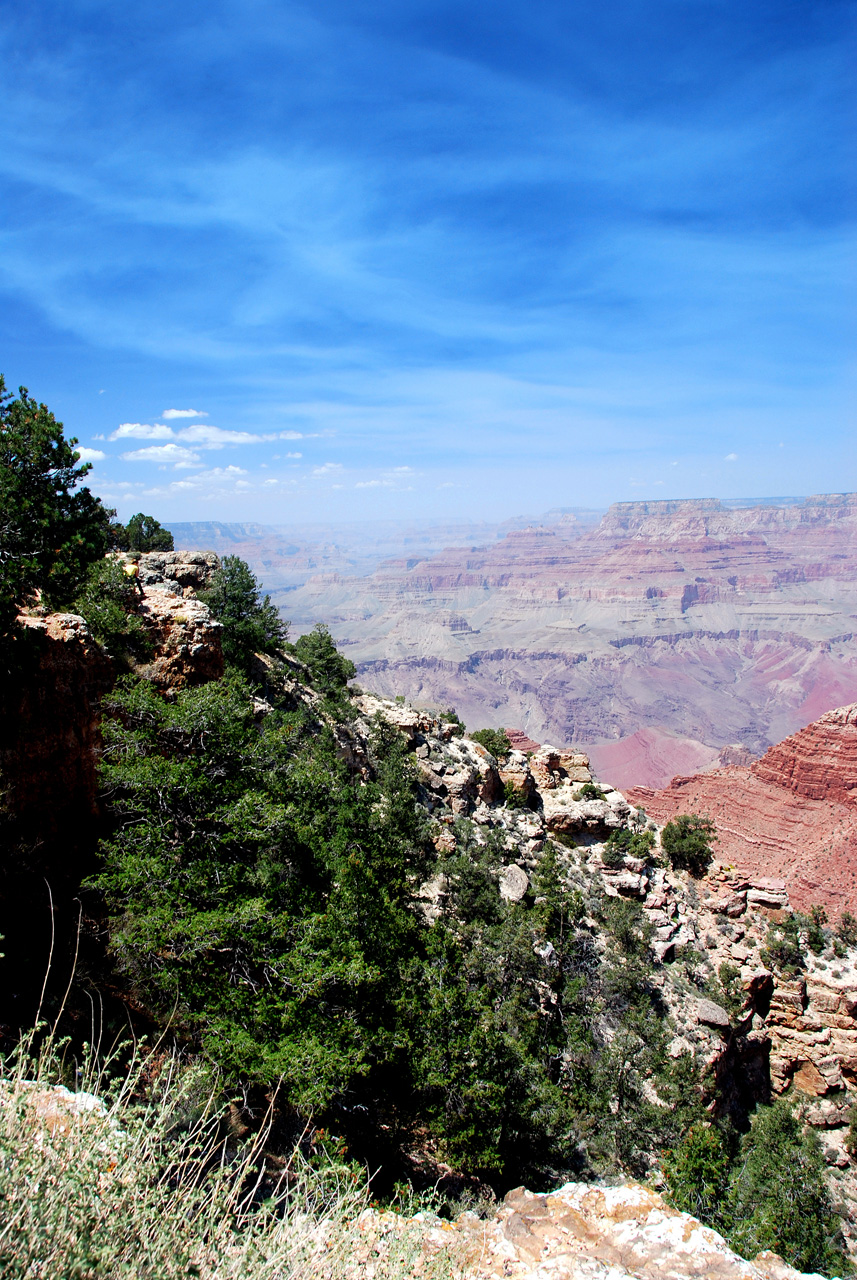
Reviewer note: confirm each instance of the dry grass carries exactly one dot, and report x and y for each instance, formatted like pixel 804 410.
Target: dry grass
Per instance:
pixel 128 1180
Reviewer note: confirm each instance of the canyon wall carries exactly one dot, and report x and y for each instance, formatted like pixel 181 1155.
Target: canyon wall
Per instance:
pixel 792 814
pixel 652 640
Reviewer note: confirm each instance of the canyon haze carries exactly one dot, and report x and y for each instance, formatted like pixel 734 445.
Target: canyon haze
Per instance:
pixel 662 637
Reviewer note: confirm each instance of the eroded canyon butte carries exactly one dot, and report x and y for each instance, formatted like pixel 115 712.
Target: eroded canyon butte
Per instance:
pixel 651 640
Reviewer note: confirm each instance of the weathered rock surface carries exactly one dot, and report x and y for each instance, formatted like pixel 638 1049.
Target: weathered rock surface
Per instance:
pixel 186 640
pixel 582 1232
pixel 791 815
pixel 684 622
pixel 49 727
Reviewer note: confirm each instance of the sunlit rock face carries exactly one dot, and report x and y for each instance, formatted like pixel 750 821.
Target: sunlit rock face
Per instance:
pixel 579 1232
pixel 792 814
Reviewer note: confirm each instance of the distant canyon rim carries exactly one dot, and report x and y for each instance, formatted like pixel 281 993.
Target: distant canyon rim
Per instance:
pixel 651 636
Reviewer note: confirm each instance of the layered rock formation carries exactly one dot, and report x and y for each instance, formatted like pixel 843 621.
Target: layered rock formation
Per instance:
pixel 688 623
pixel 820 762
pixel 791 814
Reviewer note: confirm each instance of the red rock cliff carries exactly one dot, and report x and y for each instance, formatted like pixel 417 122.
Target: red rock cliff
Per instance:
pixel 819 762
pixel 791 814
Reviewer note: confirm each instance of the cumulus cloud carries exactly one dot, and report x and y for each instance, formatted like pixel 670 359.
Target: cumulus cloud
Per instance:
pixel 90 455
pixel 183 413
pixel 214 481
pixel 731 457
pixel 327 469
pixel 215 437
pixel 142 431
pixel 294 455
pixel 170 453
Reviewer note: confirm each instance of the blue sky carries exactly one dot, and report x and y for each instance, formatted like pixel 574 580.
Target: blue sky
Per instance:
pixel 388 258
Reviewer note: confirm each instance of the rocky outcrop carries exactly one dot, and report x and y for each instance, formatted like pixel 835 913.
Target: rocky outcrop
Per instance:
pixel 177 572
pixel 579 1232
pixel 792 814
pixel 49 727
pixel 819 762
pixel 185 637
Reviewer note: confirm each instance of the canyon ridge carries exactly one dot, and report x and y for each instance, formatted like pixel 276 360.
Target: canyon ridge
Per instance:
pixel 652 639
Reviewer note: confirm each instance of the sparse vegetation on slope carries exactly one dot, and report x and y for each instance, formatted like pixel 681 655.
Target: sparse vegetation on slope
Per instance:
pixel 145 1178
pixel 457 977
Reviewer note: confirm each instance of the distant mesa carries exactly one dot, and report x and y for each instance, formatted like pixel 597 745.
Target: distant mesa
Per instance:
pixel 650 635
pixel 520 741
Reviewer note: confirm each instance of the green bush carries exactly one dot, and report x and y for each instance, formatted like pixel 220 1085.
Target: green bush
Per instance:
pixel 255 890
pixel 846 930
pixel 634 844
pixel 686 841
pixel 251 624
pixel 783 948
pixel 141 533
pixel 515 797
pixel 108 602
pixel 329 670
pixel 778 1197
pixel 494 740
pixel 589 791
pixel 697 1173
pixel 52 528
pixel 813 927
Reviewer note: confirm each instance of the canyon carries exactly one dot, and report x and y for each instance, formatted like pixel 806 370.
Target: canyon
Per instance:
pixel 788 1032
pixel 651 639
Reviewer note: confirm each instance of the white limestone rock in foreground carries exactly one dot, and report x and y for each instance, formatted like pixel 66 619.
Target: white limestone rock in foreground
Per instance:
pixel 587 1232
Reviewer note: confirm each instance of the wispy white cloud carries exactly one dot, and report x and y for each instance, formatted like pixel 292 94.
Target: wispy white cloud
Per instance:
pixel 392 478
pixel 183 413
pixel 213 482
pixel 327 469
pixel 731 457
pixel 142 431
pixel 169 453
pixel 216 437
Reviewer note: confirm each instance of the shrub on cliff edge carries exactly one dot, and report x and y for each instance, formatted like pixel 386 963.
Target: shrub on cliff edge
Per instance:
pixel 251 624
pixel 687 843
pixel 51 527
pixel 494 740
